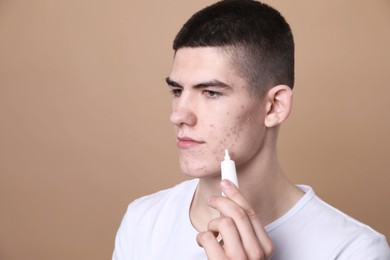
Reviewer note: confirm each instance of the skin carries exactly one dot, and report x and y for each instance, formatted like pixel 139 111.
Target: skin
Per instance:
pixel 209 107
pixel 212 109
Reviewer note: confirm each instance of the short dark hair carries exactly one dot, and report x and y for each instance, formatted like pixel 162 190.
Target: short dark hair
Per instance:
pixel 256 36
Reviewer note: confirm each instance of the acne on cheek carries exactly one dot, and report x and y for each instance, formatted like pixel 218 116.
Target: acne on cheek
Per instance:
pixel 235 134
pixel 230 137
pixel 236 130
pixel 202 169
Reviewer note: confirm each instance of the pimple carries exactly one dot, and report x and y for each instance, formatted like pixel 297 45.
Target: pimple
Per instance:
pixel 222 142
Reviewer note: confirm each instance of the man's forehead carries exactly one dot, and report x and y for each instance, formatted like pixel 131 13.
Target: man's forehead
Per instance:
pixel 203 64
pixel 198 54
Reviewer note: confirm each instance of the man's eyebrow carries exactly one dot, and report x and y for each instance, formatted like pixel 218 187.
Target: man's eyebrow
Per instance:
pixel 212 83
pixel 206 84
pixel 172 83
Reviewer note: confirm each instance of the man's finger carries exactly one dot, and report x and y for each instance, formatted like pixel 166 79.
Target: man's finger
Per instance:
pixel 227 229
pixel 234 194
pixel 208 241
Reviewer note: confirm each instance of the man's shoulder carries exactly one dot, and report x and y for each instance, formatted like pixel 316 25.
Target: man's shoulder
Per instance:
pixel 322 216
pixel 346 235
pixel 317 226
pixel 339 221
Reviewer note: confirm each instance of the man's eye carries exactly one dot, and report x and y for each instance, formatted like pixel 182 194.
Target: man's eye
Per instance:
pixel 176 92
pixel 212 94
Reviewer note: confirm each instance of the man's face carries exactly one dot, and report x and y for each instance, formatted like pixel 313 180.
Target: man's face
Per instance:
pixel 212 110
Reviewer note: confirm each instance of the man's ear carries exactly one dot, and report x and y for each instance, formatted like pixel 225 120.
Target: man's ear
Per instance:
pixel 278 105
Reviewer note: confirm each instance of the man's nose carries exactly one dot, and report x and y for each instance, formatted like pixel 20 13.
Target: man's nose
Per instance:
pixel 183 112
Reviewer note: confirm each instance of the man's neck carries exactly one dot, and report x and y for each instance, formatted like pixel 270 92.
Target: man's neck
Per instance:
pixel 264 186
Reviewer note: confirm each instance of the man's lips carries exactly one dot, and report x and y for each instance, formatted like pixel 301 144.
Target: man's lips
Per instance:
pixel 187 142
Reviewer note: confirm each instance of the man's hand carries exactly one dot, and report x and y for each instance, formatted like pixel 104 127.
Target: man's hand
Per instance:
pixel 243 235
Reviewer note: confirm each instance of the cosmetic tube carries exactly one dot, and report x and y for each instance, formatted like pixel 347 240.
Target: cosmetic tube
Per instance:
pixel 228 169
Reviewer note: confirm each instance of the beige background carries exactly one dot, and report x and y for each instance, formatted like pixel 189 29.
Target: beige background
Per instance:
pixel 84 112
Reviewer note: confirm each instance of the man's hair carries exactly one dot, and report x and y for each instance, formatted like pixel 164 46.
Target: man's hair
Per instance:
pixel 256 37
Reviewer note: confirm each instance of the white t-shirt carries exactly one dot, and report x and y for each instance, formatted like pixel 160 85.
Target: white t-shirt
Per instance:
pixel 158 226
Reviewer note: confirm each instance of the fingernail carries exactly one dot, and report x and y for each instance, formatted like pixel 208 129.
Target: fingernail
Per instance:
pixel 210 199
pixel 226 184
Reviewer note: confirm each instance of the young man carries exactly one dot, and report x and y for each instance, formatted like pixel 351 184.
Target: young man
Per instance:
pixel 232 80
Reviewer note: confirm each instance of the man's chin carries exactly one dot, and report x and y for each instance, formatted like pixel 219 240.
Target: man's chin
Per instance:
pixel 200 172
